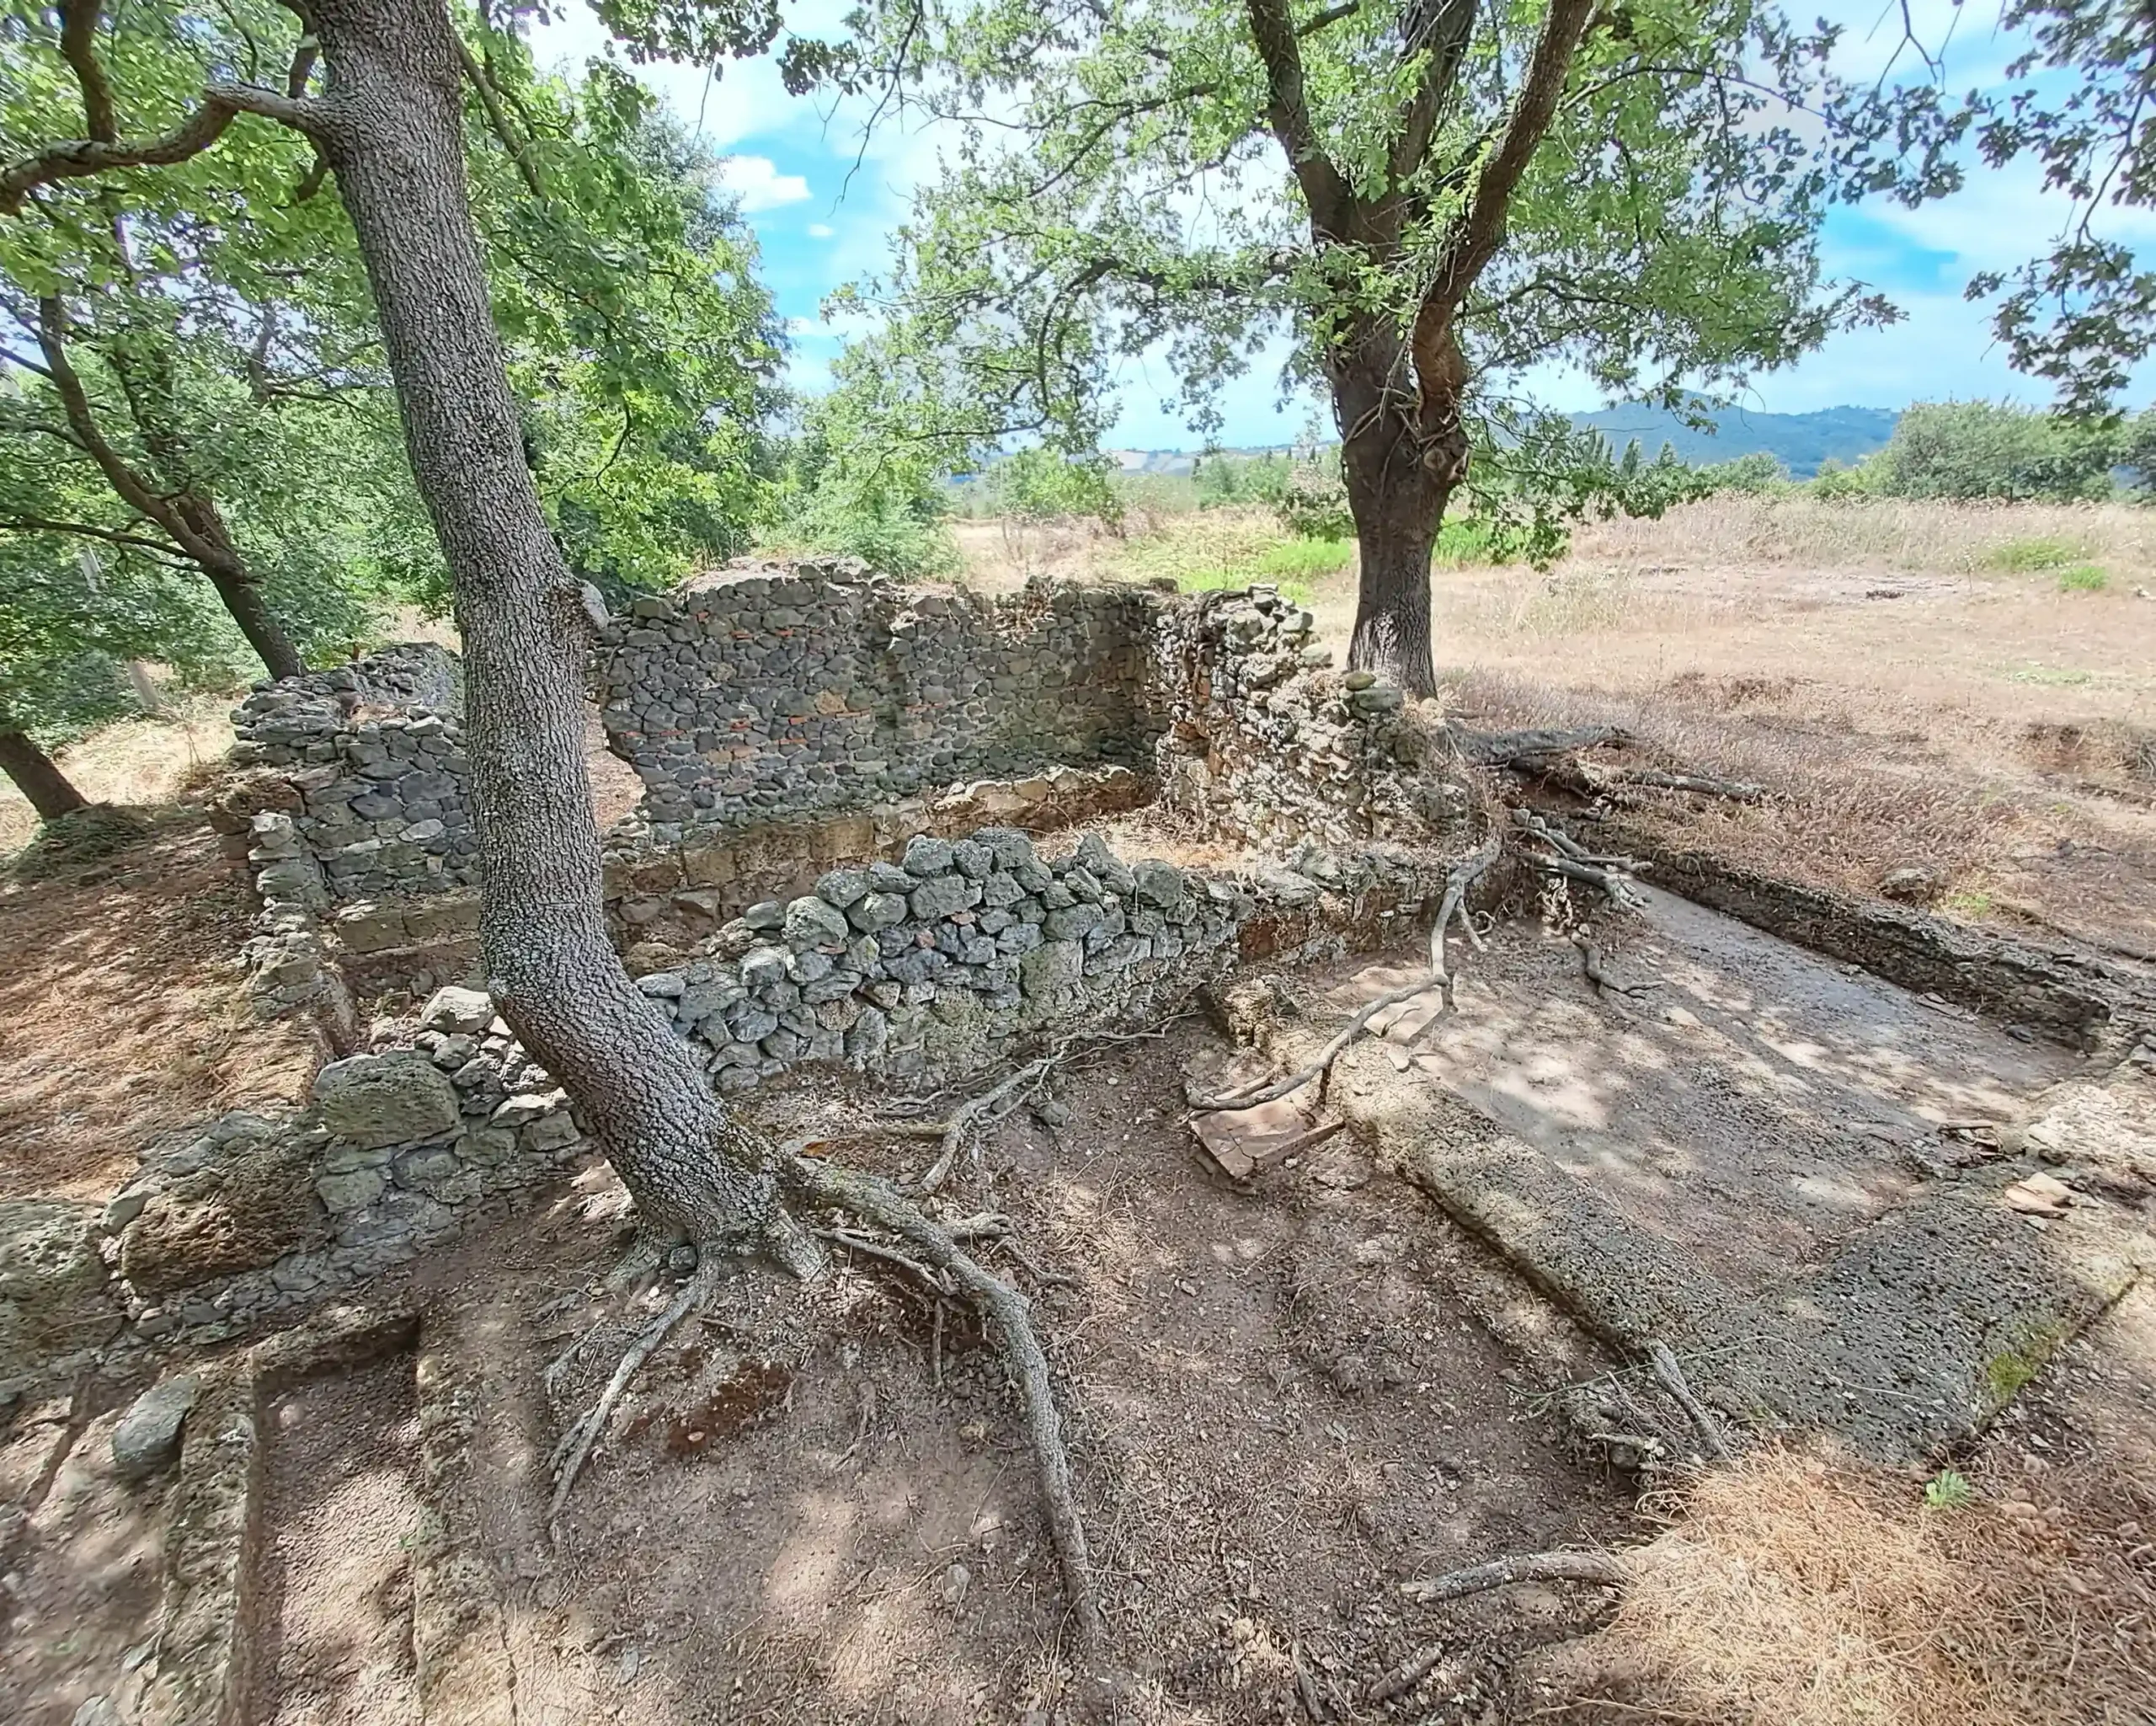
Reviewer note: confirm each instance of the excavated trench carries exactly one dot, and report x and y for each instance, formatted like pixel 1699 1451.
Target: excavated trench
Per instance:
pixel 1380 1359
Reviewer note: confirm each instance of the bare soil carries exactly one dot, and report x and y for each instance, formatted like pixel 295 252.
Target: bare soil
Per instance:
pixel 342 1516
pixel 121 994
pixel 816 1505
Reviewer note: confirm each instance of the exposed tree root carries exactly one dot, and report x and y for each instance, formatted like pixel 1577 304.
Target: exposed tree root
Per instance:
pixel 1010 1321
pixel 1672 1379
pixel 1462 876
pixel 1505 749
pixel 984 1110
pixel 1559 758
pixel 1572 860
pixel 576 1444
pixel 1497 1573
pixel 1591 959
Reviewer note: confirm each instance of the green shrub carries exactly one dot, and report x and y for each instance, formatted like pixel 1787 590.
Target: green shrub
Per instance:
pixel 1970 451
pixel 2023 556
pixel 1472 540
pixel 2081 578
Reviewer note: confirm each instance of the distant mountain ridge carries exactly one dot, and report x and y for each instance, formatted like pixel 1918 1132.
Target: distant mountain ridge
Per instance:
pixel 1799 441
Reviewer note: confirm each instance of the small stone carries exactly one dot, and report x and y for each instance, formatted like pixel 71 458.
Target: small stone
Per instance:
pixel 455 1009
pixel 1358 679
pixel 1910 884
pixel 352 1191
pixel 1160 883
pixel 956 1581
pixel 878 911
pixel 663 985
pixel 147 1438
pixel 938 896
pixel 812 921
pixel 766 916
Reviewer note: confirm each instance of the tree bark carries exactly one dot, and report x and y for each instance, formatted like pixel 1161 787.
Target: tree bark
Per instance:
pixel 1400 474
pixel 37 776
pixel 390 128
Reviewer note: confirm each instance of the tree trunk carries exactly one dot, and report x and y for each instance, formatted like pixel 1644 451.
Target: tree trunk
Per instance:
pixel 237 586
pixel 1398 499
pixel 391 134
pixel 37 776
pixel 242 598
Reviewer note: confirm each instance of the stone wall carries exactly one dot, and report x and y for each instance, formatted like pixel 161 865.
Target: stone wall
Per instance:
pixel 788 719
pixel 765 691
pixel 367 760
pixel 1265 746
pixel 928 971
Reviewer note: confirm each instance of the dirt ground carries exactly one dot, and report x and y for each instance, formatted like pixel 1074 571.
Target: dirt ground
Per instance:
pixel 125 1019
pixel 817 1506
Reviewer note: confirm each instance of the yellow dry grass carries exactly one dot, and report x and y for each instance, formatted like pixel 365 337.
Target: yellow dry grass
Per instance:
pixel 142 761
pixel 1789 1592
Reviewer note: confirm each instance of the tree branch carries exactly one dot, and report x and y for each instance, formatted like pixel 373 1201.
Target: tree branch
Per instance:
pixel 81 158
pixel 490 99
pixel 1442 30
pixel 1480 228
pixel 135 492
pixel 84 530
pixel 78 29
pixel 1287 112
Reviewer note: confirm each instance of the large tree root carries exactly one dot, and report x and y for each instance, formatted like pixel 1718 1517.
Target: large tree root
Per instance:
pixel 1603 1567
pixel 972 1116
pixel 1559 758
pixel 1010 1321
pixel 1462 876
pixel 1672 1379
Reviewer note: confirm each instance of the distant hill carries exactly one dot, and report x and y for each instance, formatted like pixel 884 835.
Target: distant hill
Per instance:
pixel 1799 441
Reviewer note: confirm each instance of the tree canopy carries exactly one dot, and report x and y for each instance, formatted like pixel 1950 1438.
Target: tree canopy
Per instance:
pixel 1421 200
pixel 192 373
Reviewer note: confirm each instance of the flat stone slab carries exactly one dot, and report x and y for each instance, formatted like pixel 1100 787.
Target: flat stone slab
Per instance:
pixel 1756 1166
pixel 1241 1142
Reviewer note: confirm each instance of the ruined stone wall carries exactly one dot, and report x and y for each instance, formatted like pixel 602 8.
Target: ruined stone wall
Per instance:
pixel 1265 746
pixel 763 691
pixel 367 760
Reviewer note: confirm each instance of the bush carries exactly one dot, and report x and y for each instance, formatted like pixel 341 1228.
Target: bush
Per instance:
pixel 2022 557
pixel 1973 450
pixel 2081 578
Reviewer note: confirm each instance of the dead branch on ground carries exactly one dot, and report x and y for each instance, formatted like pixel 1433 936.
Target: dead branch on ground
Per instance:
pixel 1459 880
pixel 1604 1568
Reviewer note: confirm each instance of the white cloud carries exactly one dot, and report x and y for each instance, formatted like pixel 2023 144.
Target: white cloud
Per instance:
pixel 756 181
pixel 821 230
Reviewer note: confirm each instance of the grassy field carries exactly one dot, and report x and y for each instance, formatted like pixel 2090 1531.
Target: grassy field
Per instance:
pixel 1969 690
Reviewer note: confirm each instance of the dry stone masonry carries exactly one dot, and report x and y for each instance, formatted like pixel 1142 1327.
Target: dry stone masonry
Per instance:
pixel 765 691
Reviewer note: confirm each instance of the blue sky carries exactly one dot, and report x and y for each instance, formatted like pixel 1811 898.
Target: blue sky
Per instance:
pixel 822 205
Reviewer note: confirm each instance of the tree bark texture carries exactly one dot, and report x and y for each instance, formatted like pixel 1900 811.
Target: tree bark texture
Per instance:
pixel 389 126
pixel 37 777
pixel 1403 451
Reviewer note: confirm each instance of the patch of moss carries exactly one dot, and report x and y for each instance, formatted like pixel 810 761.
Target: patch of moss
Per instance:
pixel 2013 1367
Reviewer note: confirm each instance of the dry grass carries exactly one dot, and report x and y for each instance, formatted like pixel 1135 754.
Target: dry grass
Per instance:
pixel 1890 532
pixel 1790 1593
pixel 139 763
